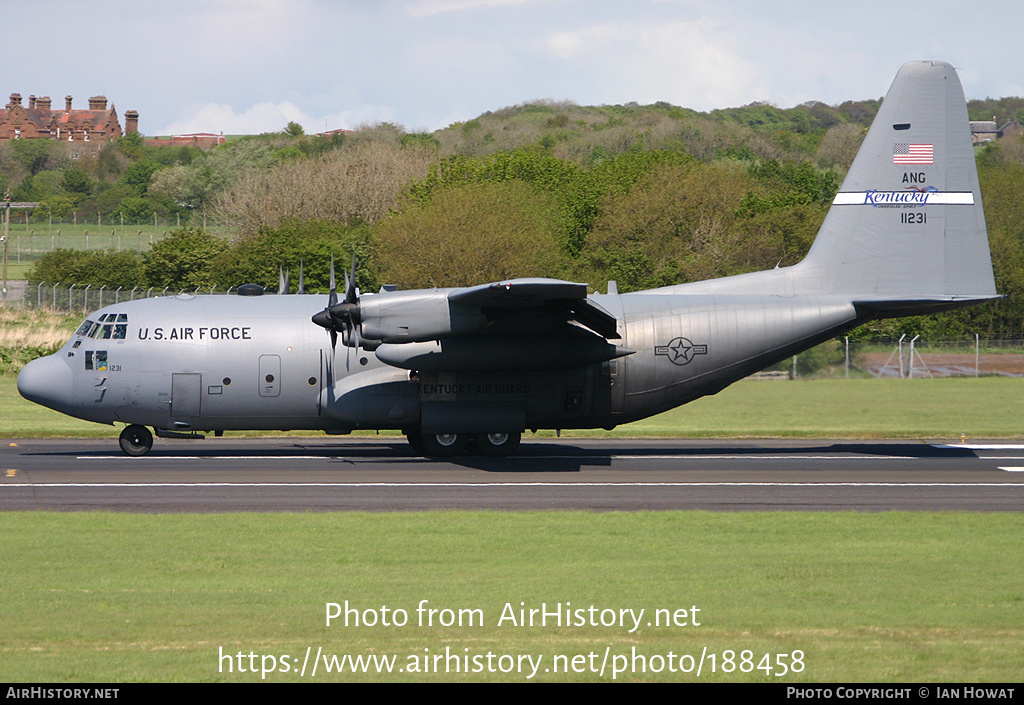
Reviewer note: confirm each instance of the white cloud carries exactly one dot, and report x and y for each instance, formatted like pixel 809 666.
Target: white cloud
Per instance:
pixel 270 117
pixel 218 117
pixel 694 64
pixel 425 8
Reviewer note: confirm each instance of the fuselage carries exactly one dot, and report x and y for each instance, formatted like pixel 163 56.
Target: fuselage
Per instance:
pixel 212 363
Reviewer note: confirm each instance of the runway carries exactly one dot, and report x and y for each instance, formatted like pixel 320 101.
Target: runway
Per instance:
pixel 328 474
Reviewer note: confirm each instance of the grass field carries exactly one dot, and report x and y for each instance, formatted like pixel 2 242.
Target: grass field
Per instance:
pixel 881 597
pixel 986 407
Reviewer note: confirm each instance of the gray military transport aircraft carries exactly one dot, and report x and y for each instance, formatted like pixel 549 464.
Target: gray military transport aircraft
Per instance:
pixel 469 369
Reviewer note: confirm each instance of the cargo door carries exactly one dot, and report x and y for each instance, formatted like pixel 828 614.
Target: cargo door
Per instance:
pixel 186 395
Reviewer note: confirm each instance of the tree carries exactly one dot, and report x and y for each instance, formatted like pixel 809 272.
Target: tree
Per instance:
pixel 134 209
pixel 183 260
pixel 90 267
pixel 294 129
pixel 76 181
pixel 131 145
pixel 139 174
pixel 357 184
pixel 308 244
pixel 674 225
pixel 470 234
pixel 37 155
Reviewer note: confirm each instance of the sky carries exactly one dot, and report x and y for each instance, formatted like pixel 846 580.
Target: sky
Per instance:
pixel 252 66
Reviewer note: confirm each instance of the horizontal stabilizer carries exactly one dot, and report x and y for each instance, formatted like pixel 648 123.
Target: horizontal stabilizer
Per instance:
pixel 887 307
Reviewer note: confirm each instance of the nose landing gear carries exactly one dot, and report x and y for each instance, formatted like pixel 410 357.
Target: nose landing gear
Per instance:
pixel 136 440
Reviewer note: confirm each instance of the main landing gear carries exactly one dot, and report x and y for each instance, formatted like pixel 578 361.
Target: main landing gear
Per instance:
pixel 136 440
pixel 450 445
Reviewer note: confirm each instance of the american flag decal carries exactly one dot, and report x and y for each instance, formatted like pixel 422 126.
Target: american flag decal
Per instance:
pixel 903 153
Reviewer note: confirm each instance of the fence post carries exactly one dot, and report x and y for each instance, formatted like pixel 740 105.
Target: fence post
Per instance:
pixel 39 295
pixel 977 354
pixel 71 293
pixel 117 294
pixel 101 294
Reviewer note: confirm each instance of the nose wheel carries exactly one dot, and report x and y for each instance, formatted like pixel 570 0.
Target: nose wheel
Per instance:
pixel 136 440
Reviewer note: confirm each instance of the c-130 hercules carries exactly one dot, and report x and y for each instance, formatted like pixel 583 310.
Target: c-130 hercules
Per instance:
pixel 469 369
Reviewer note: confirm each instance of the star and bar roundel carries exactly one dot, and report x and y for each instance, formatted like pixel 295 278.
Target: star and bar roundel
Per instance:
pixel 680 350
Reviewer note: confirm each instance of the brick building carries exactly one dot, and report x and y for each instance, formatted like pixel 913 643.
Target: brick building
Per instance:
pixel 85 129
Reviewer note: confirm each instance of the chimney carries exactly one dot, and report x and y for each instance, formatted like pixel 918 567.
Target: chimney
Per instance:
pixel 131 122
pixel 31 102
pixel 98 102
pixel 43 102
pixel 15 100
pixel 67 103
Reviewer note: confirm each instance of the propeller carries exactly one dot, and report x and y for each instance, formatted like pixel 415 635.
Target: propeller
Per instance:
pixel 344 316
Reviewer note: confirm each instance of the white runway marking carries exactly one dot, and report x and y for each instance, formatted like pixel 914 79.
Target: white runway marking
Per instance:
pixel 1012 469
pixel 516 484
pixel 981 446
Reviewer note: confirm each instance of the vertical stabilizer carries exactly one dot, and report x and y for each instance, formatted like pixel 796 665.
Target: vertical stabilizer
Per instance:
pixel 908 220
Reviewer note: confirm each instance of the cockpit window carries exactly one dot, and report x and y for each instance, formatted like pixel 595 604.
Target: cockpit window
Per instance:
pixel 106 328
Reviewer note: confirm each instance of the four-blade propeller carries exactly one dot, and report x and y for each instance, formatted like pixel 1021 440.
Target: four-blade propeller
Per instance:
pixel 342 317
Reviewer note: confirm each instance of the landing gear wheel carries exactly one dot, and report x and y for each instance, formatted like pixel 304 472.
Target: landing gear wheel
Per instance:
pixel 136 440
pixel 444 445
pixel 497 445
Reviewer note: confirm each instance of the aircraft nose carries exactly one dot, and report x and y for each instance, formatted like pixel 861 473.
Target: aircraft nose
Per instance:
pixel 46 381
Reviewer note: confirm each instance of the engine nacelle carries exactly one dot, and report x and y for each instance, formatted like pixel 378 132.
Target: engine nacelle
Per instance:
pixel 412 316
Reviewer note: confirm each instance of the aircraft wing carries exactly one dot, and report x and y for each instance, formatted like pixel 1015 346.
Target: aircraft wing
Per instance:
pixel 542 294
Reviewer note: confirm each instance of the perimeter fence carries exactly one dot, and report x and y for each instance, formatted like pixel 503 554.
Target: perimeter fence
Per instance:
pixel 908 357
